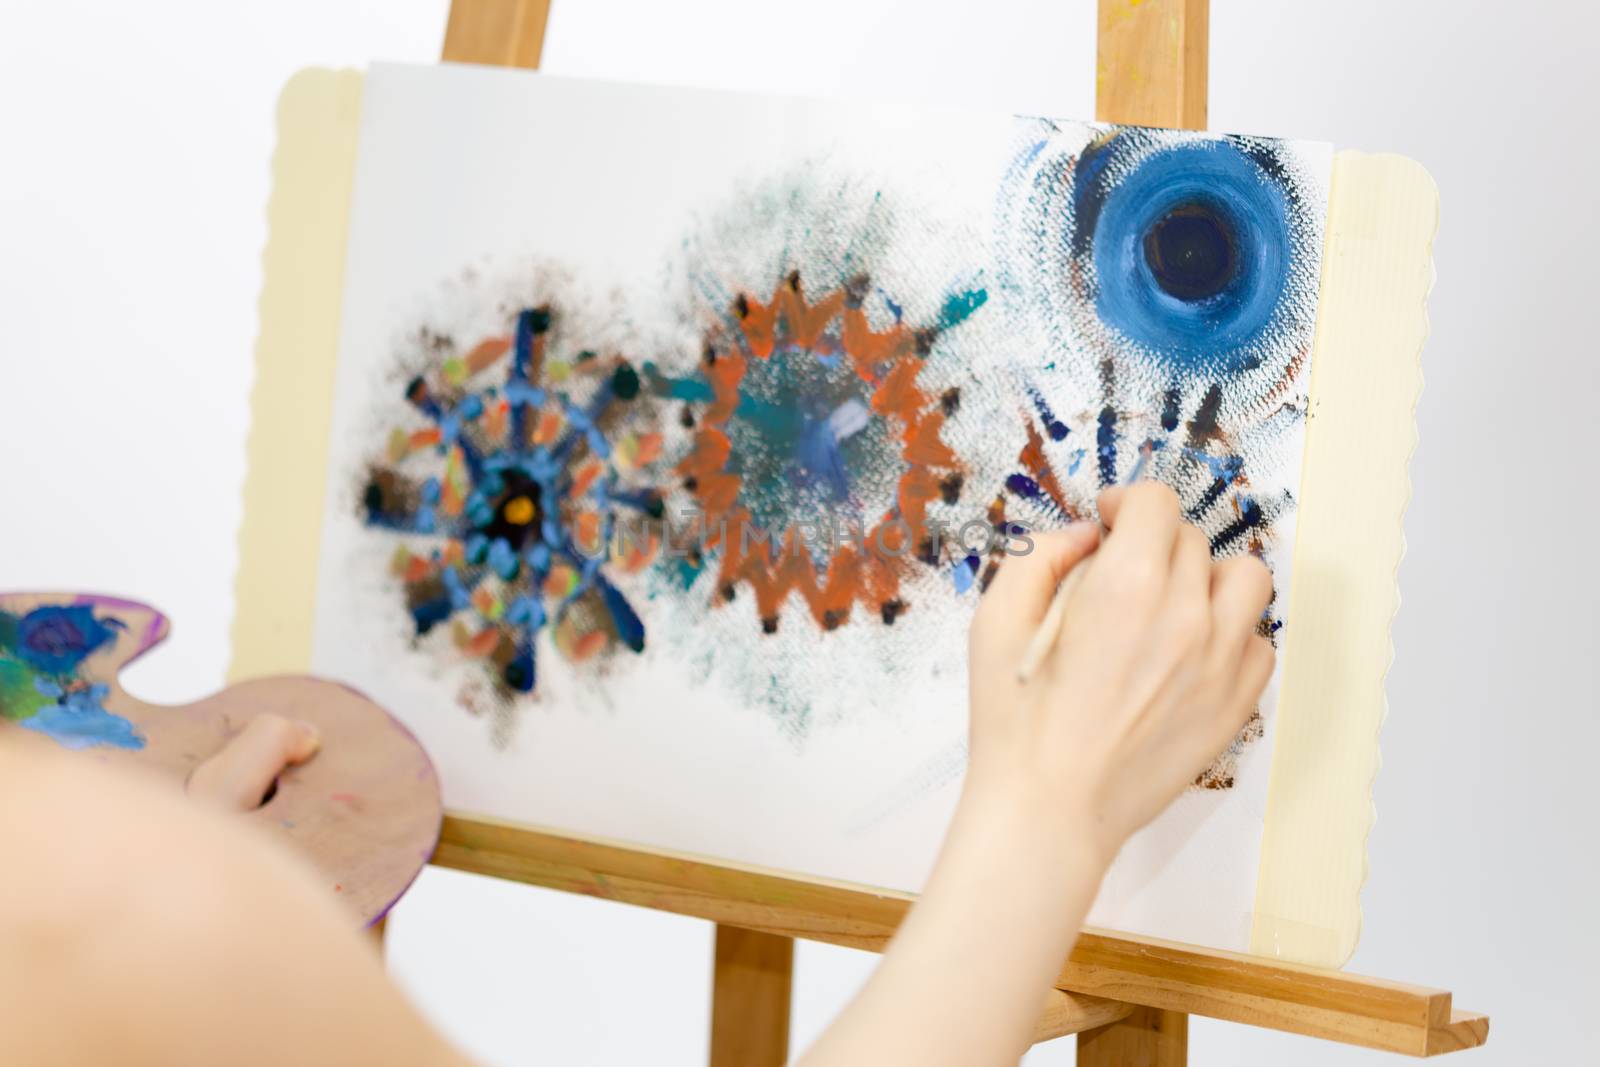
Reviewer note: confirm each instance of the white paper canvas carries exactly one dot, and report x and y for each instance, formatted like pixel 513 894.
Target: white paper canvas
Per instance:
pixel 601 344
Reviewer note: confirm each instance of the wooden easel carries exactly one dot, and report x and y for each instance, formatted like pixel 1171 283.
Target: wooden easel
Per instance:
pixel 1128 999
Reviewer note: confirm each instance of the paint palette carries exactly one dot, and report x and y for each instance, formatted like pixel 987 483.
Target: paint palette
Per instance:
pixel 366 810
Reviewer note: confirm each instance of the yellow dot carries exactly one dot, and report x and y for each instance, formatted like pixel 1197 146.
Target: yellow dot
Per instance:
pixel 520 511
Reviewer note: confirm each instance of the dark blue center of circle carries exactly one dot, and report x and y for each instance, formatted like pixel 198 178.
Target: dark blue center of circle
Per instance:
pixel 1191 252
pixel 1191 248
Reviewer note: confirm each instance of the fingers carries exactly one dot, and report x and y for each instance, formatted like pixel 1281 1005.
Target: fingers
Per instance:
pixel 1136 558
pixel 1255 670
pixel 1143 520
pixel 1020 594
pixel 1109 505
pixel 1191 569
pixel 239 777
pixel 1241 588
pixel 1111 501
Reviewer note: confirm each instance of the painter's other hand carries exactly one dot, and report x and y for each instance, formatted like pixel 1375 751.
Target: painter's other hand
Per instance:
pixel 1157 667
pixel 240 776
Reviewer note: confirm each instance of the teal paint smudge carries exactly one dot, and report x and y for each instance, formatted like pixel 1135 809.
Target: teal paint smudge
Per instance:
pixel 802 439
pixel 691 389
pixel 686 571
pixel 781 421
pixel 958 307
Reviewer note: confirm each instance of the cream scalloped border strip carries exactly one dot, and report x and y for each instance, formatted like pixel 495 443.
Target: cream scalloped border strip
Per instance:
pixel 308 217
pixel 1377 270
pixel 1366 375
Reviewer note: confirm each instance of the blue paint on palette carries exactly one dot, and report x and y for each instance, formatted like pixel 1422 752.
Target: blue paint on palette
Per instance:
pixel 42 682
pixel 78 719
pixel 56 639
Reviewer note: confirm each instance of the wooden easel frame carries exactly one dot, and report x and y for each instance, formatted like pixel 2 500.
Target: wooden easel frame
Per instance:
pixel 1127 998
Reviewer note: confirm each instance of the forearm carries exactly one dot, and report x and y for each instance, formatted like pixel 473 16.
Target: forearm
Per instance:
pixel 1155 665
pixel 965 978
pixel 184 937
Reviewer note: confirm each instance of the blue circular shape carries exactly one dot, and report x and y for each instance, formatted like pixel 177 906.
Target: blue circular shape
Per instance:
pixel 1191 250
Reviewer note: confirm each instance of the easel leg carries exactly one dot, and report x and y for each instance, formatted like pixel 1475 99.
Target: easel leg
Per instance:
pixel 1147 1038
pixel 1153 62
pixel 750 998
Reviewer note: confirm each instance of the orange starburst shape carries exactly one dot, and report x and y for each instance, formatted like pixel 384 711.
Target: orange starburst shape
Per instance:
pixel 815 430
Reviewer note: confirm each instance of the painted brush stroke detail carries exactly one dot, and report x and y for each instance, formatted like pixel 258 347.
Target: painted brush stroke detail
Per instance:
pixel 830 751
pixel 846 375
pixel 826 405
pixel 1172 278
pixel 1175 259
pixel 802 410
pixel 42 682
pixel 506 488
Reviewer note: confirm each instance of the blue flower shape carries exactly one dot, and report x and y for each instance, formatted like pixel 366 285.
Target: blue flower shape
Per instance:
pixel 55 639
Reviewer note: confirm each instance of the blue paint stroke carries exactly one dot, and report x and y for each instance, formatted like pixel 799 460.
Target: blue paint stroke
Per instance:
pixel 79 721
pixel 1250 517
pixel 1224 468
pixel 1023 486
pixel 55 639
pixel 1052 425
pixel 1106 446
pixel 630 628
pixel 965 573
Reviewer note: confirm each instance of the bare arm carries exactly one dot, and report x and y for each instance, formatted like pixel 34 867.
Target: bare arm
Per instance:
pixel 1157 668
pixel 141 928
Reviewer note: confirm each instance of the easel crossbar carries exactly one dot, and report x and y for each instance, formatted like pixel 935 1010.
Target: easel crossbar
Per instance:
pixel 1138 971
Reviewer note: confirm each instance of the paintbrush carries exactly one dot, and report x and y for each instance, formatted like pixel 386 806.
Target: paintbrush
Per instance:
pixel 1049 631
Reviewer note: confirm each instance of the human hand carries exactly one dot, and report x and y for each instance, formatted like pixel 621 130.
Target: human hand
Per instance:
pixel 1157 667
pixel 239 777
pixel 199 937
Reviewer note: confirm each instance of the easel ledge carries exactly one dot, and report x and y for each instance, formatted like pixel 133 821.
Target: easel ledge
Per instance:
pixel 1127 998
pixel 1108 975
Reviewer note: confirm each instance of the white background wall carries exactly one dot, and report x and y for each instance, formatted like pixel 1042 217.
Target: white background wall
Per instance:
pixel 134 142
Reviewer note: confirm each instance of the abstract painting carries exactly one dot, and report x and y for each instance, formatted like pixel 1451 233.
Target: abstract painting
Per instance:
pixel 677 435
pixel 533 469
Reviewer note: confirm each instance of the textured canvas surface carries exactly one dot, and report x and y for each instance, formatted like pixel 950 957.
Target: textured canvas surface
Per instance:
pixel 676 434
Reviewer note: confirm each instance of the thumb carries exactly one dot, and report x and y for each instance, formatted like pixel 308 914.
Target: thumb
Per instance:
pixel 240 776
